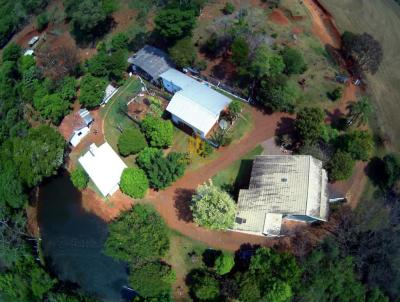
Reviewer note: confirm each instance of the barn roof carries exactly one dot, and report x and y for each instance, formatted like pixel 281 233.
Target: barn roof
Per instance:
pixel 152 60
pixel 282 184
pixel 196 103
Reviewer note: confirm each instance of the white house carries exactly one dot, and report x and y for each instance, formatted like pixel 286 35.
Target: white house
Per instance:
pixel 194 104
pixel 104 168
pixel 292 187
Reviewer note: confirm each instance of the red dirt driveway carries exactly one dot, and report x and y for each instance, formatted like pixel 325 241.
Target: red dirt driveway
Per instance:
pixel 173 203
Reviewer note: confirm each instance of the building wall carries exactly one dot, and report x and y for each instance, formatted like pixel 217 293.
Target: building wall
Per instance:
pixel 177 120
pixel 170 87
pixel 303 218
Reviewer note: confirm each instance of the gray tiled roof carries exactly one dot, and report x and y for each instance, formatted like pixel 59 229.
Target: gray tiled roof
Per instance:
pixel 152 60
pixel 283 184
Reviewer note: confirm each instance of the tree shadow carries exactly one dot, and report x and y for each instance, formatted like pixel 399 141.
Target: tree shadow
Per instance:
pixel 244 254
pixel 86 39
pixel 182 200
pixel 242 180
pixel 210 256
pixel 375 171
pixel 225 70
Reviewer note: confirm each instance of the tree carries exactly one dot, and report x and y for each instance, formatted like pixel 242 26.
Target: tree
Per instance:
pixel 131 141
pixel 183 53
pixel 294 61
pixel 309 123
pixel 358 143
pixel 67 89
pixel 228 9
pixel 364 50
pixel 234 109
pixel 92 91
pixel 335 94
pixel 147 156
pixel 213 208
pixel 52 107
pixel 11 189
pixel 42 21
pixel 174 24
pixel 38 155
pixel 134 182
pixel 163 171
pixel 340 166
pixel 329 277
pixel 240 51
pixel 266 64
pixel 119 41
pixel 158 132
pixel 88 17
pixel 278 94
pixel 79 178
pixel 204 286
pixel 138 235
pixel 12 52
pixel 360 111
pixel 151 279
pixel 224 263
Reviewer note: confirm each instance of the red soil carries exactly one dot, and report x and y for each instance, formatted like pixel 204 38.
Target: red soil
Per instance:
pixel 123 18
pixel 297 30
pixel 278 17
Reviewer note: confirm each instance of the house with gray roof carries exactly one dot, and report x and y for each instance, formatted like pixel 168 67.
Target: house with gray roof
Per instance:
pixel 150 62
pixel 292 187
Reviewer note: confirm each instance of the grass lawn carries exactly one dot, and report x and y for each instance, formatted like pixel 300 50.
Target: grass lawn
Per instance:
pixel 237 175
pixel 114 119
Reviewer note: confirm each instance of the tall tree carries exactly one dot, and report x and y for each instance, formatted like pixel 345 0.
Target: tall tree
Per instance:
pixel 360 111
pixel 174 24
pixel 309 124
pixel 266 64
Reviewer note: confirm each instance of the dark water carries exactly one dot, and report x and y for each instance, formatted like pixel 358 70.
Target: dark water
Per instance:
pixel 73 239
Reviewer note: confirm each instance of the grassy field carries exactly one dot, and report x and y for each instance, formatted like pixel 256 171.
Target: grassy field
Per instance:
pixel 381 19
pixel 237 175
pixel 114 119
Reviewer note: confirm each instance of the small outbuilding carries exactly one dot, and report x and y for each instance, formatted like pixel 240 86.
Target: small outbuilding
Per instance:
pixel 292 187
pixel 78 135
pixel 104 167
pixel 150 62
pixel 109 93
pixel 33 41
pixel 86 116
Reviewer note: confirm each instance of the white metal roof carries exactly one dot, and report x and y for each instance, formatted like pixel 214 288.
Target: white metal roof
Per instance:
pixel 196 103
pixel 29 52
pixel 109 92
pixel 78 135
pixel 104 167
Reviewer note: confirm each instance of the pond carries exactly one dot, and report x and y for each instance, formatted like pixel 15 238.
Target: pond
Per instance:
pixel 73 239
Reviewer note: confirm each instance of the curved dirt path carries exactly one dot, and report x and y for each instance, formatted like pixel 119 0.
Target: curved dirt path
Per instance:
pixel 173 203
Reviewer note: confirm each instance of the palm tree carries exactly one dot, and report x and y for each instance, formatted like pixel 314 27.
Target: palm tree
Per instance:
pixel 360 111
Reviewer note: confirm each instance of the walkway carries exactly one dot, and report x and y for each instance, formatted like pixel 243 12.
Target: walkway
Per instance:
pixel 173 203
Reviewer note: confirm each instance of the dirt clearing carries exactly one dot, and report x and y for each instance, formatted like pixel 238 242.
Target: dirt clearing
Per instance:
pixel 278 17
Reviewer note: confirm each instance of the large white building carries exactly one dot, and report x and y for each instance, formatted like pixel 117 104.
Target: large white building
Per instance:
pixel 104 168
pixel 194 104
pixel 282 187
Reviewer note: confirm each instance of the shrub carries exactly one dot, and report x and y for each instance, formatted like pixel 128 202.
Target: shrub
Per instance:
pixel 79 178
pixel 224 263
pixel 294 61
pixel 12 52
pixel 119 41
pixel 235 108
pixel 341 165
pixel 147 156
pixel 213 208
pixel 335 94
pixel 158 132
pixel 358 143
pixel 174 24
pixel 309 123
pixel 42 21
pixel 138 235
pixel 92 91
pixel 131 141
pixel 229 8
pixel 134 182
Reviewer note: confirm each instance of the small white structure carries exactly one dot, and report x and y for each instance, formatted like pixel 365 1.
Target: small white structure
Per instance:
pixel 78 135
pixel 104 168
pixel 193 104
pixel 86 116
pixel 29 52
pixel 33 41
pixel 109 93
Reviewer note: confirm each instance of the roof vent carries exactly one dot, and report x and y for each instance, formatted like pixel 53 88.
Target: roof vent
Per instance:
pixel 284 179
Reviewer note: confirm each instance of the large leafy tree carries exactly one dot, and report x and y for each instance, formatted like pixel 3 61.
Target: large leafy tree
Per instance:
pixel 79 178
pixel 131 141
pixel 183 53
pixel 52 107
pixel 364 50
pixel 205 287
pixel 224 263
pixel 134 182
pixel 360 111
pixel 92 91
pixel 278 94
pixel 213 208
pixel 340 166
pixel 309 124
pixel 240 51
pixel 358 143
pixel 38 155
pixel 138 235
pixel 151 279
pixel 266 63
pixel 11 189
pixel 158 132
pixel 87 15
pixel 174 23
pixel 294 61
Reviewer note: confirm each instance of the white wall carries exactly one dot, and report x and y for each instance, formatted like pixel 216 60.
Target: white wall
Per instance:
pixel 171 87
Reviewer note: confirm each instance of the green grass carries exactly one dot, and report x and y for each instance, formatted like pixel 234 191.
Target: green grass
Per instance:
pixel 243 125
pixel 237 175
pixel 114 119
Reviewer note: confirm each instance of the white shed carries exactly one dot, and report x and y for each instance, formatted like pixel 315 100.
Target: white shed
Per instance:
pixel 78 135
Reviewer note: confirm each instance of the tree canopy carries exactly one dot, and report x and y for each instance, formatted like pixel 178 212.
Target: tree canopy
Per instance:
pixel 266 63
pixel 174 24
pixel 309 124
pixel 134 182
pixel 213 208
pixel 79 178
pixel 340 166
pixel 131 141
pixel 224 263
pixel 158 132
pixel 92 91
pixel 294 61
pixel 138 235
pixel 358 143
pixel 183 53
